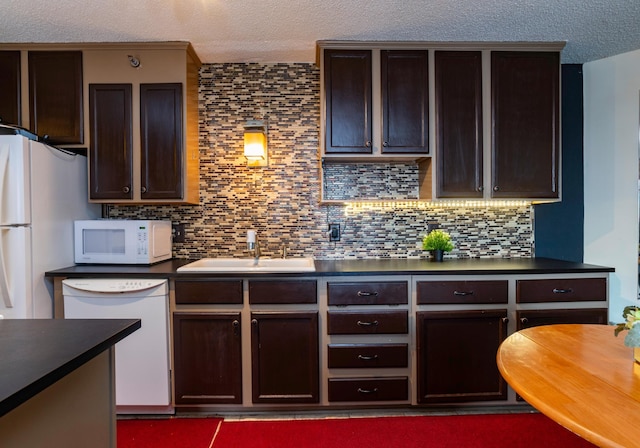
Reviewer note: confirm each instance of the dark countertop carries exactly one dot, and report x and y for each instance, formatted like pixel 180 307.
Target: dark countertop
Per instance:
pixel 396 266
pixel 36 353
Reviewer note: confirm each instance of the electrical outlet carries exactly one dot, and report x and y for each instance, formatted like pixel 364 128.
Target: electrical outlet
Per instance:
pixel 433 225
pixel 334 232
pixel 178 233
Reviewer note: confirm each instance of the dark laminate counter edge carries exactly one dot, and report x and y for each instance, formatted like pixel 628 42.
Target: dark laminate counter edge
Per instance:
pixel 399 266
pixel 36 353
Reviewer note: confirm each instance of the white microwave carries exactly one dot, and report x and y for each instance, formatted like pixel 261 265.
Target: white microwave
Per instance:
pixel 116 241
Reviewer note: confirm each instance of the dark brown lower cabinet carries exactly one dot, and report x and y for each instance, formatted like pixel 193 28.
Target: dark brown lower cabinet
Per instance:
pixel 456 353
pixel 284 357
pixel 207 358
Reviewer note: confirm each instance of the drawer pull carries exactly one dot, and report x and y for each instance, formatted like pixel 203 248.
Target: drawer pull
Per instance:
pixel 462 293
pixel 367 324
pixel 367 358
pixel 367 293
pixel 367 391
pixel 562 291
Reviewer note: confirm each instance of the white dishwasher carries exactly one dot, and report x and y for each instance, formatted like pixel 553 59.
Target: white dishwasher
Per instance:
pixel 142 358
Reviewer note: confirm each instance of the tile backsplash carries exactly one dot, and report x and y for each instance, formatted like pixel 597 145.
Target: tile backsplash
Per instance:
pixel 282 201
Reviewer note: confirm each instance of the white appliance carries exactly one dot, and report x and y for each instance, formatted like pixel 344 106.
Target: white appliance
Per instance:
pixel 142 358
pixel 121 241
pixel 42 190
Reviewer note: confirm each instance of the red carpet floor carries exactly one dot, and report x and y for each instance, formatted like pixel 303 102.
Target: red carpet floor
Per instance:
pixel 462 431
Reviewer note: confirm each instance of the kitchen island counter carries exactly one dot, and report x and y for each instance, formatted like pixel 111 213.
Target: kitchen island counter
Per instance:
pixel 56 380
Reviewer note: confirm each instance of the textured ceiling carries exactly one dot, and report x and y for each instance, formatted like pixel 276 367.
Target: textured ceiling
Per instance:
pixel 286 30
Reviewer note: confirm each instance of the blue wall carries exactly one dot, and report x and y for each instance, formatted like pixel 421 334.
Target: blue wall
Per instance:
pixel 559 227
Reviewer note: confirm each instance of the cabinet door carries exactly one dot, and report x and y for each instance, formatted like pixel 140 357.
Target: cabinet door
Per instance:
pixel 55 95
pixel 405 101
pixel 284 357
pixel 10 111
pixel 525 121
pixel 110 149
pixel 347 90
pixel 207 358
pixel 161 144
pixel 456 353
pixel 459 149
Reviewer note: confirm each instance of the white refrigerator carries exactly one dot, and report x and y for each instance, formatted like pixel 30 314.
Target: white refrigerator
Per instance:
pixel 42 191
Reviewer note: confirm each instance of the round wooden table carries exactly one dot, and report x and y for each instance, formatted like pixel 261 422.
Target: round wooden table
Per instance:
pixel 581 376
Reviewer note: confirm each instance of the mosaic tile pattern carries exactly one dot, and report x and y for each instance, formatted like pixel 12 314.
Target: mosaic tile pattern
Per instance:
pixel 385 181
pixel 281 201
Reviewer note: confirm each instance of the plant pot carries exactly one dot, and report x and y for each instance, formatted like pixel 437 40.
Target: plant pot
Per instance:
pixel 437 255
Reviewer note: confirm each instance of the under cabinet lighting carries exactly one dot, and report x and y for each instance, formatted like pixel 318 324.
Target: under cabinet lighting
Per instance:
pixel 255 143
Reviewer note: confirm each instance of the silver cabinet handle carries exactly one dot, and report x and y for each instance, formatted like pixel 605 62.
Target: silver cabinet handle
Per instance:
pixel 367 293
pixel 126 189
pixel 143 189
pixel 562 291
pixel 367 391
pixel 367 324
pixel 462 293
pixel 368 358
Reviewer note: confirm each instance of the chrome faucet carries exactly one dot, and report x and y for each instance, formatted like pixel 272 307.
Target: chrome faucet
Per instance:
pixel 253 245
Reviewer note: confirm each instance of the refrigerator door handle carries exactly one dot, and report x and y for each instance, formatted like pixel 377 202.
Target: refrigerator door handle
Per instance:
pixel 4 284
pixel 4 163
pixel 4 287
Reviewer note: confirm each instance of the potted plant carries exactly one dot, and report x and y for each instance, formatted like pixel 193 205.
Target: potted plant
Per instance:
pixel 631 316
pixel 437 242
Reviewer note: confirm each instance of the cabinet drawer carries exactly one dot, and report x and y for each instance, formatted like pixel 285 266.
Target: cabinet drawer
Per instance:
pixel 287 291
pixel 208 291
pixel 367 355
pixel 368 293
pixel 533 318
pixel 481 291
pixel 561 290
pixel 368 389
pixel 378 322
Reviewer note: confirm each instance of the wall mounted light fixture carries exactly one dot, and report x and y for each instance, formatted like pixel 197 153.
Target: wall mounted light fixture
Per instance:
pixel 255 143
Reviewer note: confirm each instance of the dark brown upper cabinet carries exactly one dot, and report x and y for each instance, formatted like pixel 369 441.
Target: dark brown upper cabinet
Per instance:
pixel 111 146
pixel 347 84
pixel 55 96
pixel 155 158
pixel 376 103
pixel 161 142
pixel 405 101
pixel 458 106
pixel 525 119
pixel 10 110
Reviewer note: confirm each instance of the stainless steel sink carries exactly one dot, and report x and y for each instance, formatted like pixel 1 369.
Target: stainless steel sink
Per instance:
pixel 242 265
